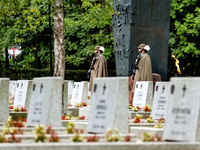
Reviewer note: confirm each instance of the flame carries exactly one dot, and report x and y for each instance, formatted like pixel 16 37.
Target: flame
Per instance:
pixel 177 64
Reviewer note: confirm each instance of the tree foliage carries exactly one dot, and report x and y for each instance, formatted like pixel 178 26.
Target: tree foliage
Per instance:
pixel 24 23
pixel 184 34
pixel 88 23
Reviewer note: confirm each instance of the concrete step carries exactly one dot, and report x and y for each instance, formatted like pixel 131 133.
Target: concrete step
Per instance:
pixel 132 114
pixel 140 130
pixel 103 145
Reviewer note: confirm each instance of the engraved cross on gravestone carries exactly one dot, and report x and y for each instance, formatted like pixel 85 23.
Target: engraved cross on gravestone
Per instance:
pixel 157 88
pixel 33 87
pixel 172 89
pixel 41 87
pixel 184 89
pixel 104 87
pixel 163 89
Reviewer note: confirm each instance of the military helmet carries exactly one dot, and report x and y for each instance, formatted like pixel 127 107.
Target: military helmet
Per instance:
pixel 141 46
pixel 97 48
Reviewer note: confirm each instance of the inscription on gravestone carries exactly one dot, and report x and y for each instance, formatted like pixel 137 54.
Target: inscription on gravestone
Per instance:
pixel 141 21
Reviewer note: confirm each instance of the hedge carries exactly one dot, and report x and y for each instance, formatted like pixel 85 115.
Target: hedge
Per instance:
pixel 29 74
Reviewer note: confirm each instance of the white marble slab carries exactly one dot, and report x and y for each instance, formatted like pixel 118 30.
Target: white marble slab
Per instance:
pixel 182 118
pixel 109 105
pixel 4 99
pixel 143 93
pixel 160 100
pixel 45 105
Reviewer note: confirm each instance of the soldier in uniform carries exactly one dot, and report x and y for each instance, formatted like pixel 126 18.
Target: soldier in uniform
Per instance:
pixel 99 67
pixel 143 69
pixel 96 51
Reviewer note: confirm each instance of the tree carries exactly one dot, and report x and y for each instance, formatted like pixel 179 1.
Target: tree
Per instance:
pixel 59 48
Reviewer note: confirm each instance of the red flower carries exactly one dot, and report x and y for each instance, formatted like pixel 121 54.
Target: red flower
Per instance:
pixel 127 138
pixel 84 103
pixel 63 117
pixel 23 109
pixel 137 119
pixel 50 130
pixel 81 131
pixel 54 138
pixel 161 120
pixel 10 107
pixel 94 138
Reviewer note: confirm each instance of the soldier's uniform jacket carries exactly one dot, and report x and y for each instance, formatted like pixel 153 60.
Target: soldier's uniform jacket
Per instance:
pixel 100 70
pixel 144 71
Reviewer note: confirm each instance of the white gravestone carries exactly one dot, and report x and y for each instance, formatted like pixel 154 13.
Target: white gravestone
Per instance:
pixel 14 88
pixel 89 95
pixel 77 93
pixel 4 99
pixel 65 96
pixel 143 93
pixel 11 87
pixel 160 100
pixel 85 92
pixel 70 89
pixel 45 104
pixel 21 93
pixel 182 118
pixel 109 105
pixel 28 95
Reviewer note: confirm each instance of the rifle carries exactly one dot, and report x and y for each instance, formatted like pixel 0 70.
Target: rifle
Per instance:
pixel 91 68
pixel 136 65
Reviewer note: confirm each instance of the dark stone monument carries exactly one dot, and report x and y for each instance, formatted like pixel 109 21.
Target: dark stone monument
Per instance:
pixel 141 21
